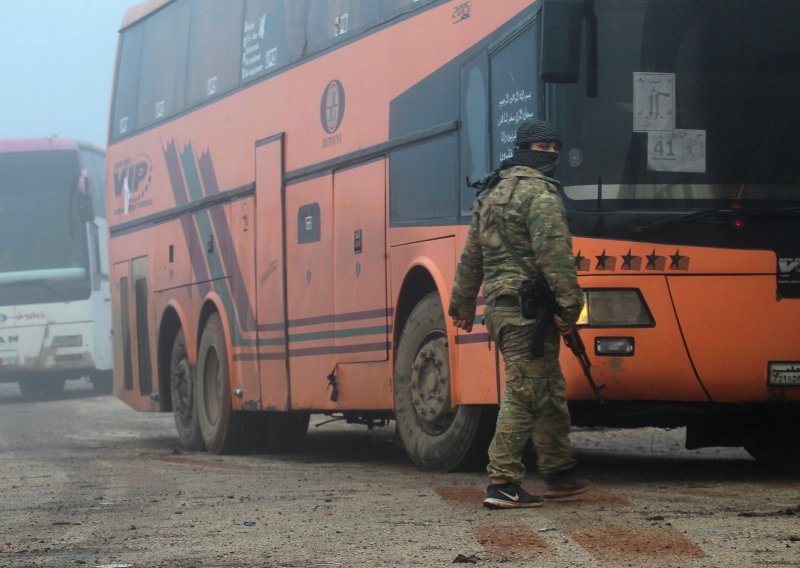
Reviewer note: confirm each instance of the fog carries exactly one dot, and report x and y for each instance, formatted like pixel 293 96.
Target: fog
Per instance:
pixel 57 59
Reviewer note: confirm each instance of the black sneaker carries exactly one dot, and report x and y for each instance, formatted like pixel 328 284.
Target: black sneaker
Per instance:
pixel 509 496
pixel 564 484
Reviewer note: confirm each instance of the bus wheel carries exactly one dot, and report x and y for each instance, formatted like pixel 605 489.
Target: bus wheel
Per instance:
pixel 182 386
pixel 223 430
pixel 436 435
pixel 282 432
pixel 42 387
pixel 773 444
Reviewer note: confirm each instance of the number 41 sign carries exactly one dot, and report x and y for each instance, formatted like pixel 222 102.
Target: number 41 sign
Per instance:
pixel 677 151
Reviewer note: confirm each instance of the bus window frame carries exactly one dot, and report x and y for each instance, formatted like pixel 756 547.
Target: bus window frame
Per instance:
pixel 134 129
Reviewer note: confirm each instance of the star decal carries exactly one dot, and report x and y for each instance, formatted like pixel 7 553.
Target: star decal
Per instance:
pixel 655 262
pixel 582 264
pixel 631 262
pixel 605 262
pixel 679 262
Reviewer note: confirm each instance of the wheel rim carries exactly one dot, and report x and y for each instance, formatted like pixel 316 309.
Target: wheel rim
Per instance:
pixel 212 385
pixel 430 384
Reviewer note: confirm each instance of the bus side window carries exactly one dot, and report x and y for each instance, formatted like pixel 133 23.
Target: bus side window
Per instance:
pixel 334 19
pixel 127 82
pixel 474 135
pixel 516 96
pixel 422 180
pixel 214 48
pixel 162 78
pixel 393 7
pixel 273 35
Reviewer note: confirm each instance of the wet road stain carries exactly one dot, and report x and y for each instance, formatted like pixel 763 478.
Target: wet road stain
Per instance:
pixel 462 495
pixel 616 543
pixel 509 540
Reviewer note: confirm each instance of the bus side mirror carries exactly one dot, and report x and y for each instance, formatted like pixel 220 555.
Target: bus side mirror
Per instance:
pixel 85 207
pixel 85 203
pixel 562 22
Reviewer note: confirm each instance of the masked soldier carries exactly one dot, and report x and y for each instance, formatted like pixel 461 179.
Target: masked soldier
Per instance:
pixel 520 204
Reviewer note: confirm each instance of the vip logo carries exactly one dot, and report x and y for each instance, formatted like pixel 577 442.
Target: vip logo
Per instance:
pixel 789 266
pixel 332 107
pixel 133 175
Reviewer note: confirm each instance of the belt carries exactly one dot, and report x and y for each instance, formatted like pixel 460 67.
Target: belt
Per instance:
pixel 506 301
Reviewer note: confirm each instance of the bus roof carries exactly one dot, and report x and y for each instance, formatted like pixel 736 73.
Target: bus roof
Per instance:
pixel 43 144
pixel 139 11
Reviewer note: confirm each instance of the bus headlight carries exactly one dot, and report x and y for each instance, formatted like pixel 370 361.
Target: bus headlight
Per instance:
pixel 607 307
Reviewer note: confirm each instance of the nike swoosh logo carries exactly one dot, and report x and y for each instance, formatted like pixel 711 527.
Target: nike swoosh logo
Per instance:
pixel 513 497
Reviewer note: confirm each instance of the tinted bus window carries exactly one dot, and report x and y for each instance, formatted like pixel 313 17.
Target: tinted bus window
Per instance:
pixel 474 127
pixel 214 48
pixel 162 79
pixel 393 7
pixel 127 88
pixel 330 19
pixel 274 35
pixel 516 94
pixel 422 181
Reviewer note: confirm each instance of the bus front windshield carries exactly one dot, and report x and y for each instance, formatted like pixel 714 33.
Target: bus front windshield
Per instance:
pixel 43 243
pixel 696 101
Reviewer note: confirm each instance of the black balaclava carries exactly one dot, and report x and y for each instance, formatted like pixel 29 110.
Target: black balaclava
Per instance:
pixel 534 131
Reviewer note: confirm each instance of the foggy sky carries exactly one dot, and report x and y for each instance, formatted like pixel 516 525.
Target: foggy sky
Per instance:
pixel 56 67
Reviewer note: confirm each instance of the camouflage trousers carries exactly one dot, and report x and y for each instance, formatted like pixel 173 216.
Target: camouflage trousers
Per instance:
pixel 533 404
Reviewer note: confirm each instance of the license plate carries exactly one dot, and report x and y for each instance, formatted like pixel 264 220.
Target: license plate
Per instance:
pixel 784 374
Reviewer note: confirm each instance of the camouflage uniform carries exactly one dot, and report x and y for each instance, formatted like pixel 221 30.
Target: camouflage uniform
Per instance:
pixel 533 218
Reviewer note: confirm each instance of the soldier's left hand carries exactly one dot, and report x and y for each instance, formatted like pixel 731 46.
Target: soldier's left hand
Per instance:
pixel 563 327
pixel 462 324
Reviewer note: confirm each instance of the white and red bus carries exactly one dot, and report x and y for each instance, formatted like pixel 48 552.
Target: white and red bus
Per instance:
pixel 287 205
pixel 55 311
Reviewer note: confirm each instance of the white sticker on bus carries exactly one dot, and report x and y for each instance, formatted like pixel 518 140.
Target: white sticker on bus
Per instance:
pixel 653 102
pixel 677 151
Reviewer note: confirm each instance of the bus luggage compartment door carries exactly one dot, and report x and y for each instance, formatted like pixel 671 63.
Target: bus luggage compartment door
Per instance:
pixel 359 260
pixel 734 327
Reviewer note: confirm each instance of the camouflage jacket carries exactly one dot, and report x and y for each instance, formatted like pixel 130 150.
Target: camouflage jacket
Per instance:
pixel 532 213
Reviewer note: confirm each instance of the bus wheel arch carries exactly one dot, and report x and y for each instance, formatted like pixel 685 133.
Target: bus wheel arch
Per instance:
pixel 435 435
pixel 417 284
pixel 177 380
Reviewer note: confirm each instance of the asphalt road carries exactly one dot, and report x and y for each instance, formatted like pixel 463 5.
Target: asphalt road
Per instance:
pixel 86 481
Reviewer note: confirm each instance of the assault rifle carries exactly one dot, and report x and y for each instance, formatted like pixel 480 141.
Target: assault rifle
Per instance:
pixel 545 307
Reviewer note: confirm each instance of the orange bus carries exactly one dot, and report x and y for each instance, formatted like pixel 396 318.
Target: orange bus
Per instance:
pixel 287 204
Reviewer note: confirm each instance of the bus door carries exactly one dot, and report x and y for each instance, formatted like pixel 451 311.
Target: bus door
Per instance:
pixel 361 323
pixel 131 335
pixel 270 275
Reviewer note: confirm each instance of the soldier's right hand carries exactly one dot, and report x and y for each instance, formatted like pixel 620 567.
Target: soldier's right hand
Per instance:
pixel 462 324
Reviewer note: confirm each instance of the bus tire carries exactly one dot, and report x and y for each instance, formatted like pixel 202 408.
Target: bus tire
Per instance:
pixel 435 435
pixel 223 430
pixel 182 386
pixel 42 387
